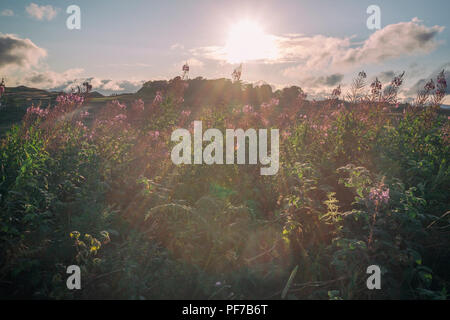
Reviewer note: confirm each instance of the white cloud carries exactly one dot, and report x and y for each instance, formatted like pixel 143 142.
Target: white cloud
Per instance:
pixel 41 12
pixel 304 54
pixel 394 41
pixel 50 79
pixel 7 13
pixel 132 65
pixel 193 62
pixel 177 46
pixel 21 59
pixel 115 86
pixel 70 79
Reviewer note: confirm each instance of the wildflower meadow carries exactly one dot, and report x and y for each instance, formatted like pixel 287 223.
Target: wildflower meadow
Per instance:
pixel 363 180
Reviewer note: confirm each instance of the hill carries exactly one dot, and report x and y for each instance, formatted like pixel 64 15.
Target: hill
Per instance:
pixel 197 92
pixel 16 101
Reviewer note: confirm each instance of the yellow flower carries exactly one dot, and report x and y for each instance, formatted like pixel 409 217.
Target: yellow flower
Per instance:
pixel 75 234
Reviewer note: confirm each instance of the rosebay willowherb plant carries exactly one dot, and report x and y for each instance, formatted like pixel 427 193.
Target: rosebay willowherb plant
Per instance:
pixel 358 184
pixel 441 88
pixel 433 92
pixel 355 93
pixel 391 91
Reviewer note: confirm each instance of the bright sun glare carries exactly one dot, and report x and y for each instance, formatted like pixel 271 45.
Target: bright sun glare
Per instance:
pixel 247 41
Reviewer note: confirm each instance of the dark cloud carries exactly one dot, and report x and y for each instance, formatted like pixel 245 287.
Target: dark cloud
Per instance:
pixel 419 85
pixel 386 76
pixel 18 52
pixel 333 79
pixel 38 78
pixel 426 35
pixel 328 81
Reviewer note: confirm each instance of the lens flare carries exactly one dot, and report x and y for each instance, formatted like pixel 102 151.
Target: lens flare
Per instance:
pixel 248 42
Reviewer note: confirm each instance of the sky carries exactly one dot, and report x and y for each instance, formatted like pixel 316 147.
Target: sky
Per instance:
pixel 316 45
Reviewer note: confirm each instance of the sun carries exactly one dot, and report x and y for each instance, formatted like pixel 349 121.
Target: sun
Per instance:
pixel 247 41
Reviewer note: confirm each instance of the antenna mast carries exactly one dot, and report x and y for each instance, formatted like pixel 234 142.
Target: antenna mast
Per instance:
pixel 185 69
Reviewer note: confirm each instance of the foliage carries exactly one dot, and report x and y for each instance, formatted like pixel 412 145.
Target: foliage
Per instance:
pixel 361 182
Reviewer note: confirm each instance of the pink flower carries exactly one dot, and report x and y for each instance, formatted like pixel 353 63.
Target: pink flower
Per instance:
pixel 119 105
pixel 154 135
pixel 376 87
pixel 265 121
pixel 120 118
pixel 158 98
pixel 247 109
pixel 186 113
pixel 70 99
pixel 272 103
pixel 37 111
pixel 265 105
pixel 80 125
pixel 84 114
pixel 286 134
pixel 441 79
pixel 430 85
pixel 180 100
pixel 336 92
pixel 379 195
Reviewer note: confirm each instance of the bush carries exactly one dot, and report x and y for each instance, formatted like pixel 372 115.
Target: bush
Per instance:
pixel 359 184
